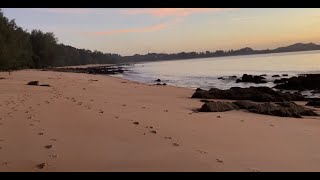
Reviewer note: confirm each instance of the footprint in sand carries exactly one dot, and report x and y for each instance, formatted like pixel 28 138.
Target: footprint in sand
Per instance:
pixel 202 152
pixel 53 155
pixel 175 144
pixel 219 160
pixel 253 170
pixel 42 165
pixel 48 146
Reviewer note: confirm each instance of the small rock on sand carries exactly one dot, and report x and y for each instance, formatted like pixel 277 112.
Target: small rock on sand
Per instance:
pixel 218 116
pixel 136 123
pixel 40 133
pixel 33 83
pixel 154 132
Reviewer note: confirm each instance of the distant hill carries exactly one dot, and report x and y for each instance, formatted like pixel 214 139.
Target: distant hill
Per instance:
pixel 218 53
pixel 298 47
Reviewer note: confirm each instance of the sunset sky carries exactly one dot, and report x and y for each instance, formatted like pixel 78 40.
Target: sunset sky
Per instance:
pixel 162 30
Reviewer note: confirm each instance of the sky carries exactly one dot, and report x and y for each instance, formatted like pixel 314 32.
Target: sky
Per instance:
pixel 129 31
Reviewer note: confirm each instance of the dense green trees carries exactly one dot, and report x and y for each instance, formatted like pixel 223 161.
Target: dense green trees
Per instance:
pixel 20 49
pixel 15 46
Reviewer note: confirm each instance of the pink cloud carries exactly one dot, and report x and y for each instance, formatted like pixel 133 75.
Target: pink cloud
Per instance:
pixel 152 28
pixel 163 12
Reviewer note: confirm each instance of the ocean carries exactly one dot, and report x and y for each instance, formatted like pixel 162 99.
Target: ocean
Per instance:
pixel 204 73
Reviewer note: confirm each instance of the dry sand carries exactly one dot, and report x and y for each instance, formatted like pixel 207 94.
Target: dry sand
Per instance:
pixel 104 125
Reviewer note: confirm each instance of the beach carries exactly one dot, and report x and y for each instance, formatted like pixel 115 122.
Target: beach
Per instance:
pixel 86 122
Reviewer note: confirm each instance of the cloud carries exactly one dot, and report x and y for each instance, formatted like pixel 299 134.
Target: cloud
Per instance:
pixel 151 28
pixel 164 12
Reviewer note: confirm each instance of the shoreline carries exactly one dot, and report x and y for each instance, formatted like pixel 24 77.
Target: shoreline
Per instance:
pixel 100 123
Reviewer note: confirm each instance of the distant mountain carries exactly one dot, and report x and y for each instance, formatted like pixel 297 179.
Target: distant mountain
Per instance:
pixel 218 53
pixel 298 47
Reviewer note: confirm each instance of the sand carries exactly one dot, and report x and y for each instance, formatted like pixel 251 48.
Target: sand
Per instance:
pixel 101 123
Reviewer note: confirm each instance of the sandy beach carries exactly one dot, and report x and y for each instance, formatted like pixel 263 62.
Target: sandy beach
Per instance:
pixel 101 123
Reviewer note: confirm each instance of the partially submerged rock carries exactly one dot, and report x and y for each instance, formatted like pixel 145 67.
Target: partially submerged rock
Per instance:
pixel 218 107
pixel 302 82
pixel 258 94
pixel 252 79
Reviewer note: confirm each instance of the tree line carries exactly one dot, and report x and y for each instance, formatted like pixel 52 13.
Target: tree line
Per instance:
pixel 20 49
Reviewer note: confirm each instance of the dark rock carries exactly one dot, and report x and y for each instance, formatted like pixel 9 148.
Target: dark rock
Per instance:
pixel 220 78
pixel 302 82
pixel 164 84
pixel 92 70
pixel 33 83
pixel 258 94
pixel 159 84
pixel 284 74
pixel 279 81
pixel 218 107
pixel 204 100
pixel 2 78
pixel 276 75
pixel 313 103
pixel 263 75
pixel 282 109
pixel 158 80
pixel 252 79
pixel 47 85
